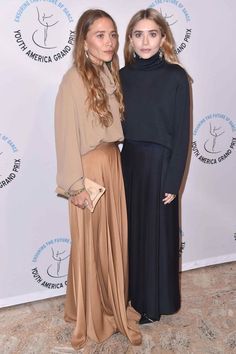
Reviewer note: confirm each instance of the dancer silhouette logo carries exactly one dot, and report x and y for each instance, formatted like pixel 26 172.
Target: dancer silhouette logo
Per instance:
pixel 10 162
pixel 43 32
pixel 179 20
pixel 214 138
pixel 50 263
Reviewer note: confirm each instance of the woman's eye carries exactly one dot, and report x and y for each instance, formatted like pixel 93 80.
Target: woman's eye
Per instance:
pixel 114 35
pixel 153 34
pixel 100 35
pixel 137 35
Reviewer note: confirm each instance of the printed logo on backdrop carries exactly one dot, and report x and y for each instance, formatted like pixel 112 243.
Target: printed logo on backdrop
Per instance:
pixel 214 138
pixel 50 263
pixel 182 243
pixel 179 20
pixel 43 30
pixel 9 161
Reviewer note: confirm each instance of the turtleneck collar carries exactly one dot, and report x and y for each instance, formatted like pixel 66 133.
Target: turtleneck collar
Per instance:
pixel 148 64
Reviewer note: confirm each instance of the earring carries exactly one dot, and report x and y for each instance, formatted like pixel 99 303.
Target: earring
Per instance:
pixel 134 55
pixel 160 53
pixel 86 54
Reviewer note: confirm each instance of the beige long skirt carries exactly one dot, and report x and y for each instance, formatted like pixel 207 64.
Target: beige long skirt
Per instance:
pixel 97 290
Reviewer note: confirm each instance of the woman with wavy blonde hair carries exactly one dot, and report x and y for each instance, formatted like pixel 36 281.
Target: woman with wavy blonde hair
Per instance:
pixel 156 130
pixel 168 45
pixel 88 114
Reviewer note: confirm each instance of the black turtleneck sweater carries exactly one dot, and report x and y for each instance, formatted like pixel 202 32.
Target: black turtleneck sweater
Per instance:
pixel 156 97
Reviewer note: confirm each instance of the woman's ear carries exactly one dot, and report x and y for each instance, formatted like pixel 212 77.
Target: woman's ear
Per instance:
pixel 130 41
pixel 163 40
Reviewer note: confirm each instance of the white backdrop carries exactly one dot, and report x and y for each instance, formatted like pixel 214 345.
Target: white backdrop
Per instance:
pixel 34 239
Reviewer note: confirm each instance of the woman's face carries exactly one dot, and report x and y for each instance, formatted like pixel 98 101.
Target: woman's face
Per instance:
pixel 101 41
pixel 146 38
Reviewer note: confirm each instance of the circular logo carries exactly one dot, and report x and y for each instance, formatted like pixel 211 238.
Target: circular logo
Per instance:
pixel 50 263
pixel 43 30
pixel 9 160
pixel 214 138
pixel 179 20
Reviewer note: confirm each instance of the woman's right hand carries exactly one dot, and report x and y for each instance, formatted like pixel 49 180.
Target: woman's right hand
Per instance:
pixel 82 200
pixel 168 198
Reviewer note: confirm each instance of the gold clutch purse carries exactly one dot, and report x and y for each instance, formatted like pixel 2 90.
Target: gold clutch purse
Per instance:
pixel 95 191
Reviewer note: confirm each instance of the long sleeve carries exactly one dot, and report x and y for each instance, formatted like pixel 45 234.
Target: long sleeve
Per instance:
pixel 181 138
pixel 69 164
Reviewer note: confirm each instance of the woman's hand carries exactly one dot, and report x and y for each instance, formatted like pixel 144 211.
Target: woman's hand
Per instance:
pixel 82 200
pixel 168 198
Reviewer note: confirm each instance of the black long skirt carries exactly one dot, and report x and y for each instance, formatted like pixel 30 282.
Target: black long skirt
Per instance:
pixel 153 230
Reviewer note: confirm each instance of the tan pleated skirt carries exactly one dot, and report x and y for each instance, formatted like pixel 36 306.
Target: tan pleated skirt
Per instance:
pixel 97 290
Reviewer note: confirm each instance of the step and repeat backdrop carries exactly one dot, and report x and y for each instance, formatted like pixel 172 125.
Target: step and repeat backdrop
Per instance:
pixel 36 42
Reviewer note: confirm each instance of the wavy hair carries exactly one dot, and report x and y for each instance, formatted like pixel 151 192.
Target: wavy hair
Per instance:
pixel 168 46
pixel 96 94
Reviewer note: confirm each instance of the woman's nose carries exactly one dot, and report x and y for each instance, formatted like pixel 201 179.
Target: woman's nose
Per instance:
pixel 145 39
pixel 108 41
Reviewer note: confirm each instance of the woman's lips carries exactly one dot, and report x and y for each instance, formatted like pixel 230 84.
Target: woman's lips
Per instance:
pixel 110 52
pixel 145 50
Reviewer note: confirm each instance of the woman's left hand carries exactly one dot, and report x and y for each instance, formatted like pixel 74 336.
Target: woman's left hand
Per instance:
pixel 82 200
pixel 168 198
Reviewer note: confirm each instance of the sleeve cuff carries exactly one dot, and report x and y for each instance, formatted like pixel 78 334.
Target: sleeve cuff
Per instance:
pixel 76 186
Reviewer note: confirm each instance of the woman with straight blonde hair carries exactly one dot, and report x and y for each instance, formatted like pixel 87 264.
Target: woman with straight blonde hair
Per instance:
pixel 89 107
pixel 156 130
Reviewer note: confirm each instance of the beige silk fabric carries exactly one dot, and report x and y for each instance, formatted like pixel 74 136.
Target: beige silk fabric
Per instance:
pixel 97 291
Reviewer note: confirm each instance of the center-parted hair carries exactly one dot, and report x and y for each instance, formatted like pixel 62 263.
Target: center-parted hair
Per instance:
pixel 168 46
pixel 97 97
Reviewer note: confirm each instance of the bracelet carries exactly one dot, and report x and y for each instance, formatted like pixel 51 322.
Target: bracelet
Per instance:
pixel 75 193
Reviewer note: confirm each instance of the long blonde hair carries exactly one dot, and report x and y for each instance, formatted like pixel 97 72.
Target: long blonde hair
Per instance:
pixel 168 46
pixel 96 94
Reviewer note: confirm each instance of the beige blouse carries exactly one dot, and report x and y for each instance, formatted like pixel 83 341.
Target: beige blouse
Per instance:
pixel 78 130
